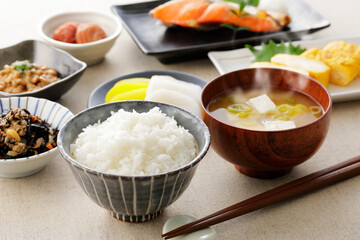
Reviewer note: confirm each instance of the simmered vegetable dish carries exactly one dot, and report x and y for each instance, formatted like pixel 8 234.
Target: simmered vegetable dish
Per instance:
pixel 24 135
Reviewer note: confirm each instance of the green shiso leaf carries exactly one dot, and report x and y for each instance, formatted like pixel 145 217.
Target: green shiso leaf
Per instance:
pixel 267 51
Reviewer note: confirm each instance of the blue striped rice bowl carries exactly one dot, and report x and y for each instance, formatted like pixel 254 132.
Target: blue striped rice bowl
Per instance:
pixel 53 113
pixel 133 198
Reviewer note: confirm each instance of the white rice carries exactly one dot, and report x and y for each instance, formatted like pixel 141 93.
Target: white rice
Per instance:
pixel 131 144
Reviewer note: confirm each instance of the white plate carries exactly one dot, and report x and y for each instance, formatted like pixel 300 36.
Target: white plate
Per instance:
pixel 228 61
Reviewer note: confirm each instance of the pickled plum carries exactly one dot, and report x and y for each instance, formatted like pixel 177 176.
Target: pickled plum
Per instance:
pixel 89 33
pixel 66 32
pixel 75 32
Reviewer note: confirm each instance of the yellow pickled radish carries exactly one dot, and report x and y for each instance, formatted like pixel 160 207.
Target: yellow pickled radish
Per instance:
pixel 136 94
pixel 133 80
pixel 126 85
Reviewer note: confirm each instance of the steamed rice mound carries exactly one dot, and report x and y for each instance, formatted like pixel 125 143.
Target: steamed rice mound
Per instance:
pixel 131 143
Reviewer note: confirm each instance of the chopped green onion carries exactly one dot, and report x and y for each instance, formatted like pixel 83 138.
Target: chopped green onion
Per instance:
pixel 290 100
pixel 239 107
pixel 300 108
pixel 243 114
pixel 22 66
pixel 272 112
pixel 315 110
pixel 285 109
pixel 282 117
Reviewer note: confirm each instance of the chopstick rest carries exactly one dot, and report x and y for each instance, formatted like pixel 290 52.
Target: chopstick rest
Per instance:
pixel 179 220
pixel 311 182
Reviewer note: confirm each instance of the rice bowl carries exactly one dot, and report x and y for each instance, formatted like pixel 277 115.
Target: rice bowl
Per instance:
pixel 133 198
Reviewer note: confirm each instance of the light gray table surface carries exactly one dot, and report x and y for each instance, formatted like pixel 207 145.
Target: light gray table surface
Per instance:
pixel 51 205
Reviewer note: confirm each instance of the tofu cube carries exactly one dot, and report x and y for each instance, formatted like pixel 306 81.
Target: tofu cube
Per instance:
pixel 279 125
pixel 261 103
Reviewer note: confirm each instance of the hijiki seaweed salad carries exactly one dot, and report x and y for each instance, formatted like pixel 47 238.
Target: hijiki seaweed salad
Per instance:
pixel 24 135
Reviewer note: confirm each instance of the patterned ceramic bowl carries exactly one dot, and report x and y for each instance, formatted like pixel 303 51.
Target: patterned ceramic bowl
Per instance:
pixel 53 113
pixel 133 198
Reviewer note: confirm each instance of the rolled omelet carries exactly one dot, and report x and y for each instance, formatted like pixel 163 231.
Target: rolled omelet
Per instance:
pixel 343 46
pixel 350 48
pixel 312 53
pixel 344 66
pixel 316 68
pixel 272 65
pixel 342 58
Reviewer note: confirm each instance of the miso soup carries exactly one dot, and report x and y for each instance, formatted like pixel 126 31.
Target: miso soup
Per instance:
pixel 265 109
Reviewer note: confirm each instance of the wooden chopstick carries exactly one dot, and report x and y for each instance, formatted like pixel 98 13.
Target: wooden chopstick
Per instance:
pixel 311 182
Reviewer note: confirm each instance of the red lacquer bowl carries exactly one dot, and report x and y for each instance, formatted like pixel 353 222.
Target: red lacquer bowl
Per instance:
pixel 266 154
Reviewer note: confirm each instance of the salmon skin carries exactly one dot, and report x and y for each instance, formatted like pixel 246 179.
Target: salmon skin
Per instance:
pixel 204 13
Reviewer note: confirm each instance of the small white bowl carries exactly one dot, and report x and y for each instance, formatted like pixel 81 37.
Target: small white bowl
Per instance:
pixel 92 52
pixel 53 113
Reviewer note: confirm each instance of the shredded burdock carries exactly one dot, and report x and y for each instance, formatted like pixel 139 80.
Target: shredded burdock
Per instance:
pixel 24 135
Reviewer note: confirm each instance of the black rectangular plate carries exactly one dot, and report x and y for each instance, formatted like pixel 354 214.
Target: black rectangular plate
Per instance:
pixel 174 44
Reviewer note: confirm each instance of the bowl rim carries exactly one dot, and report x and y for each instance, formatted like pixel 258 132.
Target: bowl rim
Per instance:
pixel 200 155
pixel 65 79
pixel 80 45
pixel 326 111
pixel 43 154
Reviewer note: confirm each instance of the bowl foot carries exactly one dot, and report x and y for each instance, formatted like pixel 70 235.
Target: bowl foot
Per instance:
pixel 21 174
pixel 93 62
pixel 135 219
pixel 263 174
